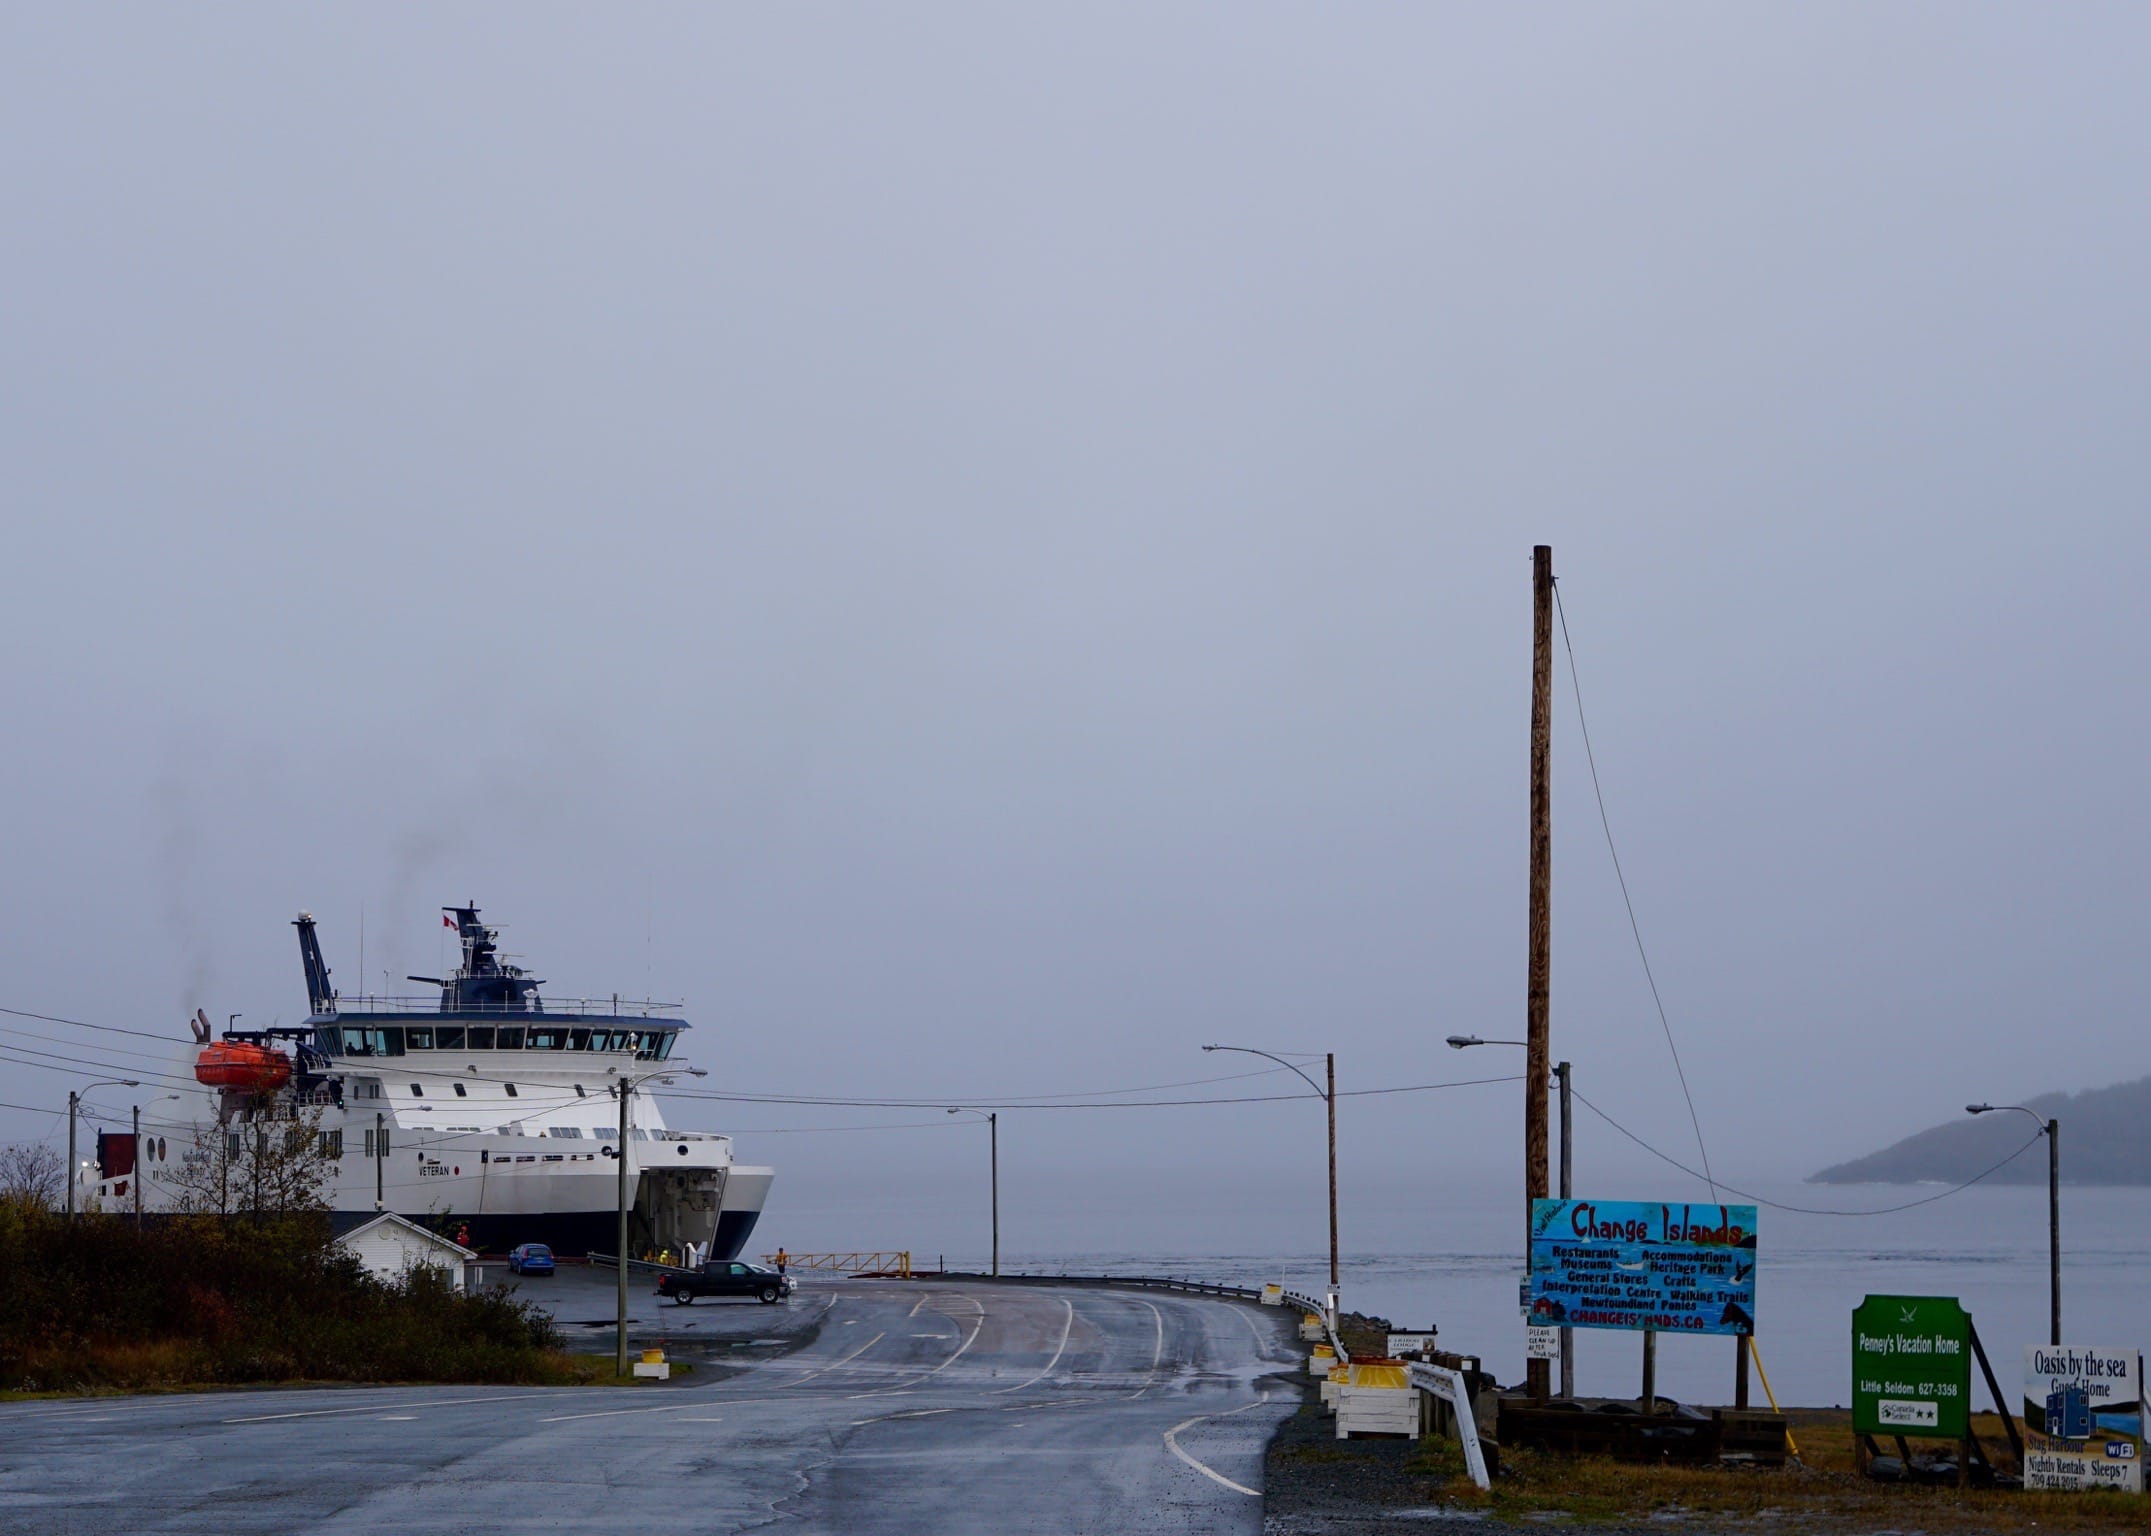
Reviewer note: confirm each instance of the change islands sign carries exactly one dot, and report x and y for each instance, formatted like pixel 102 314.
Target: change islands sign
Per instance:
pixel 1911 1367
pixel 1633 1264
pixel 2083 1418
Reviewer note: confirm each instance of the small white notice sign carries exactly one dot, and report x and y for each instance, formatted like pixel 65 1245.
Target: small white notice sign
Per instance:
pixel 1402 1344
pixel 1541 1343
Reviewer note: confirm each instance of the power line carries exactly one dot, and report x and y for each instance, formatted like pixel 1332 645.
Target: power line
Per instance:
pixel 1265 1098
pixel 1590 757
pixel 1809 1210
pixel 110 1029
pixel 405 1067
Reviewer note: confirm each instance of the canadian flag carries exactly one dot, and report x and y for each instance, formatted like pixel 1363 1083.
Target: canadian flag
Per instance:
pixel 447 921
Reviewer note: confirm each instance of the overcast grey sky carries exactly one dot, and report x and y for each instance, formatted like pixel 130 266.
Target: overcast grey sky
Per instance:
pixel 985 548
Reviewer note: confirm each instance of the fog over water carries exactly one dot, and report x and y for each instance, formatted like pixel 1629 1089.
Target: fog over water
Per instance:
pixel 985 550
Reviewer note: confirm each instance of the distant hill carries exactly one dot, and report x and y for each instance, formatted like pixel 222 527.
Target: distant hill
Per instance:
pixel 2105 1139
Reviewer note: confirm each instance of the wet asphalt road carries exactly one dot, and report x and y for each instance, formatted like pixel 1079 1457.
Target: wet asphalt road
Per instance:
pixel 857 1407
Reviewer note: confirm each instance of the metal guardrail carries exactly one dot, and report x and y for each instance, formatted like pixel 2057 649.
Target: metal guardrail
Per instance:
pixel 1442 1382
pixel 1437 1380
pixel 1321 1309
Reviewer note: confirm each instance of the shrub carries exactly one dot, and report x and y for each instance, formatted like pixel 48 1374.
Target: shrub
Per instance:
pixel 208 1299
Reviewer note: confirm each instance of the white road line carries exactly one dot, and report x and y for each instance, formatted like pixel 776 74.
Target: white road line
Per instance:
pixel 452 1402
pixel 700 1402
pixel 914 1413
pixel 1066 1328
pixel 976 1329
pixel 615 1413
pixel 1172 1443
pixel 1156 1354
pixel 825 1370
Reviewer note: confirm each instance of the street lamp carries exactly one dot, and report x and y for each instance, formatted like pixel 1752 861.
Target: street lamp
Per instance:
pixel 74 1103
pixel 1561 1080
pixel 2051 1129
pixel 993 1133
pixel 625 1088
pixel 1328 1097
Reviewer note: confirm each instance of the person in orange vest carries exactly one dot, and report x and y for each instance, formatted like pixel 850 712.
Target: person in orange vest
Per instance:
pixel 782 1258
pixel 463 1235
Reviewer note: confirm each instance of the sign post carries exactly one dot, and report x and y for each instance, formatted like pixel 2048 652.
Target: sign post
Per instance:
pixel 2083 1418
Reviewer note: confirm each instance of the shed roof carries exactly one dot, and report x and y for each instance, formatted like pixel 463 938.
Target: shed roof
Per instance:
pixel 432 1237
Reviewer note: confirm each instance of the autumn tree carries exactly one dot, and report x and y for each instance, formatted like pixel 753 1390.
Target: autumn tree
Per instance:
pixel 31 1175
pixel 258 1163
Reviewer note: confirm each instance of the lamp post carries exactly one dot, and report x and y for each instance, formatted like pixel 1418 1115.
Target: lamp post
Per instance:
pixel 2051 1129
pixel 1329 1097
pixel 625 1088
pixel 1561 1081
pixel 993 1142
pixel 74 1104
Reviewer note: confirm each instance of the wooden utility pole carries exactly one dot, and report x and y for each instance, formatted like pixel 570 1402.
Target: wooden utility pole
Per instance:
pixel 1330 1094
pixel 620 1294
pixel 1538 1053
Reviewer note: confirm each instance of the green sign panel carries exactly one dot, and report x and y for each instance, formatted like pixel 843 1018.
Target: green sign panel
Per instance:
pixel 1911 1367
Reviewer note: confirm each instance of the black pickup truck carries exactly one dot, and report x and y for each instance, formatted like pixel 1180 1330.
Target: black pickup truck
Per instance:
pixel 725 1277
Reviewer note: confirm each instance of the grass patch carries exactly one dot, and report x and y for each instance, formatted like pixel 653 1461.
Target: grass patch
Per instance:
pixel 1822 1492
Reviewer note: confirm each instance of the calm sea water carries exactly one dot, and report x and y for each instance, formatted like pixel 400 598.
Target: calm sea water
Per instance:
pixel 1985 1246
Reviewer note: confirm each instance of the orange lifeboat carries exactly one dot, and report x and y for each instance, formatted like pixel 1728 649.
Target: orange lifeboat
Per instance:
pixel 246 1067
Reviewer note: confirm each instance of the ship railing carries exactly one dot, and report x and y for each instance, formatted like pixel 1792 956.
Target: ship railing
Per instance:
pixel 553 1007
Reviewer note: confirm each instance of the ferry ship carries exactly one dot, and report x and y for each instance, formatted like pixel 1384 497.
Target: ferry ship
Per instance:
pixel 493 1114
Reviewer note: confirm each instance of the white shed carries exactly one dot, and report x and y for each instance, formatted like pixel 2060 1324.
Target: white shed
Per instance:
pixel 390 1247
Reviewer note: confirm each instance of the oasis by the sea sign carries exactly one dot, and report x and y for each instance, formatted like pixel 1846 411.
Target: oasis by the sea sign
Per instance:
pixel 1911 1367
pixel 2083 1418
pixel 1634 1264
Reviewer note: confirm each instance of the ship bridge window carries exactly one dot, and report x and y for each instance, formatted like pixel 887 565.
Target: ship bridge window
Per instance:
pixel 372 1042
pixel 481 1037
pixel 418 1039
pixel 546 1039
pixel 510 1039
pixel 578 1039
pixel 654 1044
pixel 449 1037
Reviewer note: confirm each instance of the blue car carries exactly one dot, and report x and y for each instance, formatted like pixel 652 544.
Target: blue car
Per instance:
pixel 530 1259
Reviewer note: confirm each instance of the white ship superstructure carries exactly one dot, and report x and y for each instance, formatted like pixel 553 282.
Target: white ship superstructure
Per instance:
pixel 492 1111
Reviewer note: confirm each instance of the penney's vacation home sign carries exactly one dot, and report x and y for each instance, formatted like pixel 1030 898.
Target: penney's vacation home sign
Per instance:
pixel 2083 1418
pixel 1911 1366
pixel 1634 1264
